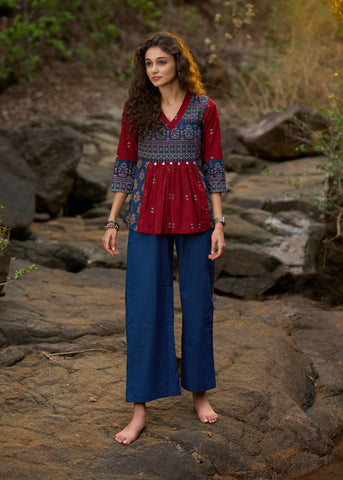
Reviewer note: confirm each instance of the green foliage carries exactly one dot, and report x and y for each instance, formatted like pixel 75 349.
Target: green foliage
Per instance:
pixel 19 274
pixel 190 16
pixel 37 27
pixel 147 9
pixel 330 144
pixel 30 30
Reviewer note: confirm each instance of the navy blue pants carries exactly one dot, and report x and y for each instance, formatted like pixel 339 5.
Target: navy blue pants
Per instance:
pixel 151 361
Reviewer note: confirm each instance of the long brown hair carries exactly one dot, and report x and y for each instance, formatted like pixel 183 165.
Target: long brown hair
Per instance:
pixel 143 106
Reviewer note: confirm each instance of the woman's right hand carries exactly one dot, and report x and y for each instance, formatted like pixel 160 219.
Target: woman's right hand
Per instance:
pixel 110 240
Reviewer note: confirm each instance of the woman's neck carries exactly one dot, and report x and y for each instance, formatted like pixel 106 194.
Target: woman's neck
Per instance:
pixel 172 94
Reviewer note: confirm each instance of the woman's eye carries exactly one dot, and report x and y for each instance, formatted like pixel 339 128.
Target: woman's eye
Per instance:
pixel 163 62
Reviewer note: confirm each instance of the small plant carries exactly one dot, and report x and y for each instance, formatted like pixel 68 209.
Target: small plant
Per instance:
pixel 4 234
pixel 4 244
pixel 330 144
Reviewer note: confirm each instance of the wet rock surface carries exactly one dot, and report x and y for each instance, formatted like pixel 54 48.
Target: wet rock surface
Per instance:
pixel 279 389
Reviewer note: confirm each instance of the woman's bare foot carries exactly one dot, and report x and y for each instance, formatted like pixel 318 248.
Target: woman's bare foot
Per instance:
pixel 130 433
pixel 202 406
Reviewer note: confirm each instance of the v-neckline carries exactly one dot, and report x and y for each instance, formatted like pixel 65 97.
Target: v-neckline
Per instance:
pixel 172 123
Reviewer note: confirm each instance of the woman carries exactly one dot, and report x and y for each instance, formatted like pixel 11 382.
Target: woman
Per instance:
pixel 170 160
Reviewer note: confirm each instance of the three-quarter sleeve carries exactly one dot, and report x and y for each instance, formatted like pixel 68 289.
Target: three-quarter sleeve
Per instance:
pixel 126 160
pixel 212 151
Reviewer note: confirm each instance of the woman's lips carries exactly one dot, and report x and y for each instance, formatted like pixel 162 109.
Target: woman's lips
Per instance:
pixel 156 78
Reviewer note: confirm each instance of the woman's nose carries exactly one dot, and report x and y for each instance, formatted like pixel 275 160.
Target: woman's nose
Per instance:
pixel 154 67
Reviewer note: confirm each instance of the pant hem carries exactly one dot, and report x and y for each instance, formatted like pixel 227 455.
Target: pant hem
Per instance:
pixel 150 398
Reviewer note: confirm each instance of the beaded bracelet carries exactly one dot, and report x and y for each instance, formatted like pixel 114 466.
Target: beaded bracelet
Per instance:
pixel 112 224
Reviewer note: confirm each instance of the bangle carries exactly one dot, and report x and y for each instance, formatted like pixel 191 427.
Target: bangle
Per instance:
pixel 112 224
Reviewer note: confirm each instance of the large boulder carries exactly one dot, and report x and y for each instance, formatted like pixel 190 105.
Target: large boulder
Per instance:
pixel 277 135
pixel 17 188
pixel 53 154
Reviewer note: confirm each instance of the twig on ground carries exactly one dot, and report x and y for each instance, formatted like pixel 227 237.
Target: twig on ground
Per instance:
pixel 51 356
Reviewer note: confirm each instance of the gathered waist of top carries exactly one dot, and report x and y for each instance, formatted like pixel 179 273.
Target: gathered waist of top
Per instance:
pixel 174 199
pixel 171 162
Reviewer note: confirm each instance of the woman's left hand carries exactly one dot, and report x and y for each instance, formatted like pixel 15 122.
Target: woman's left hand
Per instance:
pixel 217 242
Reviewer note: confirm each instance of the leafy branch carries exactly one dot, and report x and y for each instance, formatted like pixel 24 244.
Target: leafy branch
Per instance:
pixel 19 274
pixel 4 243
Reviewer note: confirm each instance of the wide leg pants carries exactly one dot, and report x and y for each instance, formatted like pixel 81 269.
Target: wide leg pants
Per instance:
pixel 151 360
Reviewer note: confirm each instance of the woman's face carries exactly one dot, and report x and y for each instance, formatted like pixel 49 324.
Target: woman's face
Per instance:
pixel 160 67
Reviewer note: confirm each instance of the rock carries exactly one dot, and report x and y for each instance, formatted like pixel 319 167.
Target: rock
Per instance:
pixel 42 217
pixel 285 186
pixel 50 254
pixel 90 188
pixel 244 262
pixel 265 215
pixel 84 235
pixel 279 387
pixel 11 355
pixel 255 216
pixel 17 187
pixel 231 143
pixel 99 212
pixel 246 270
pixel 277 135
pixel 108 122
pixel 328 281
pixel 266 249
pixel 243 163
pixel 100 133
pixel 53 155
pixel 245 287
pixel 238 229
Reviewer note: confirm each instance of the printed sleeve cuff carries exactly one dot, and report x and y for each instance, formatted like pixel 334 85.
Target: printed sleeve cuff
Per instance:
pixel 214 174
pixel 123 175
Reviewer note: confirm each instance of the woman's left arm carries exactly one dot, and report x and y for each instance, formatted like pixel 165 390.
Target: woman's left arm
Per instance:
pixel 217 239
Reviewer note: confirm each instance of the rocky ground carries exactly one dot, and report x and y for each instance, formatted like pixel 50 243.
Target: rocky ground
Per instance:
pixel 279 387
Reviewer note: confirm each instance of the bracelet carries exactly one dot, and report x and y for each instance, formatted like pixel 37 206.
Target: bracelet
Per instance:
pixel 112 224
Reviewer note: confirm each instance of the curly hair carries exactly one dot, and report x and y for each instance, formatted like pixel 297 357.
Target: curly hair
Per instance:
pixel 143 106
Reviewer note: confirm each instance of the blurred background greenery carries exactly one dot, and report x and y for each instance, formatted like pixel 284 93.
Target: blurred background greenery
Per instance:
pixel 262 55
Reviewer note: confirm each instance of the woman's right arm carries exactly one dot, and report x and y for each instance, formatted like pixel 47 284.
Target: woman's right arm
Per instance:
pixel 110 238
pixel 122 180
